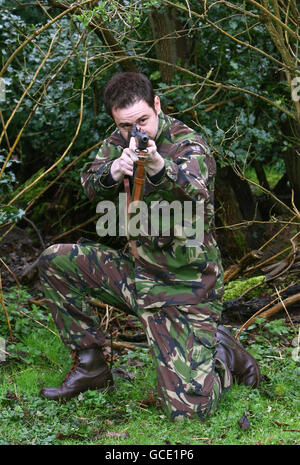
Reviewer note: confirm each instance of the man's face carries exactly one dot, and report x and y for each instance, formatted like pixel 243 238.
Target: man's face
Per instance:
pixel 145 117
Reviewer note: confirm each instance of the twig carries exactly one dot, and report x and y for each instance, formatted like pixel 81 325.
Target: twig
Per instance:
pixel 72 141
pixel 277 233
pixel 95 217
pixel 123 345
pixel 111 350
pixel 234 270
pixel 76 131
pixel 37 302
pixel 4 129
pixel 107 317
pixel 39 323
pixel 218 104
pixel 9 270
pixel 99 304
pixel 4 352
pixel 36 33
pixel 61 173
pixel 19 103
pixel 253 287
pixel 4 309
pixel 266 314
pixel 282 304
pixel 36 230
pixel 27 414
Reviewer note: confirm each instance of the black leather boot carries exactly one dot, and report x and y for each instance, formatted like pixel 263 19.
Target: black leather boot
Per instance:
pixel 89 371
pixel 242 365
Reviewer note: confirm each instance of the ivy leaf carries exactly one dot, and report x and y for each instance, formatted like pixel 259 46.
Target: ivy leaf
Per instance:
pixel 9 214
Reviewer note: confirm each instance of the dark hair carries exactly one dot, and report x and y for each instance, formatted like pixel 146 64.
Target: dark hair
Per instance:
pixel 126 88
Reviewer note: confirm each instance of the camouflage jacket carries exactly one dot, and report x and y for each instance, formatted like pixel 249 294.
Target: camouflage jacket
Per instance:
pixel 170 269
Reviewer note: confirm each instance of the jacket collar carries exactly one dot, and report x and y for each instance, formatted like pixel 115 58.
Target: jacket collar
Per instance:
pixel 164 123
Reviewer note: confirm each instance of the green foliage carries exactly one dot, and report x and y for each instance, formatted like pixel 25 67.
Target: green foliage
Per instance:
pixel 50 129
pixel 275 332
pixel 10 214
pixel 273 173
pixel 236 288
pixel 98 12
pixel 129 414
pixel 16 301
pixel 8 178
pixel 239 131
pixel 106 11
pixel 256 125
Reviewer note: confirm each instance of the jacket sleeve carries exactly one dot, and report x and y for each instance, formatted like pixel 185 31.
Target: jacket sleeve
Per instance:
pixel 95 173
pixel 189 175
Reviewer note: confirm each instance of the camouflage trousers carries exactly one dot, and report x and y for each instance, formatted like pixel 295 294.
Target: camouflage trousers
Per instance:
pixel 182 339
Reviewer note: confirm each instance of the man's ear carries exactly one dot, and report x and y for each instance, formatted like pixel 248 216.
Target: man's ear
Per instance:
pixel 157 105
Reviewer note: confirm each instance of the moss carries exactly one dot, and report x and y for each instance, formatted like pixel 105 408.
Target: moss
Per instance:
pixel 235 289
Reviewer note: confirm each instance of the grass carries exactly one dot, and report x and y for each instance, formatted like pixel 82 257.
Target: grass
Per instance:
pixel 129 415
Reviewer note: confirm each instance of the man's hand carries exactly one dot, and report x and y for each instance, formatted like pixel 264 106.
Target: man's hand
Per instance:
pixel 154 162
pixel 123 166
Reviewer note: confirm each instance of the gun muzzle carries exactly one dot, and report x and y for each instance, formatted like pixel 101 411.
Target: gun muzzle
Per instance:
pixel 142 137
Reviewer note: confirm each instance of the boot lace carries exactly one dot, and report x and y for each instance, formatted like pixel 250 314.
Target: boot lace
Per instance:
pixel 76 363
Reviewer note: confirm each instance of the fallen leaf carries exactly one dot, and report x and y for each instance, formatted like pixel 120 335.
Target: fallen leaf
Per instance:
pixel 149 400
pixel 108 422
pixel 122 372
pixel 280 424
pixel 244 423
pixel 116 434
pixel 61 436
pixel 11 395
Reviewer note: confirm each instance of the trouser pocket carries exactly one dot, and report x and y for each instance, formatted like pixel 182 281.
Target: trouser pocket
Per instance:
pixel 201 363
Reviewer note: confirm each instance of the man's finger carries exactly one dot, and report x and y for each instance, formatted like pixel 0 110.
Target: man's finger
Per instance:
pixel 132 143
pixel 130 154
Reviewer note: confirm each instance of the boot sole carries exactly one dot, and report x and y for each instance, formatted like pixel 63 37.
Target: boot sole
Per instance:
pixel 68 396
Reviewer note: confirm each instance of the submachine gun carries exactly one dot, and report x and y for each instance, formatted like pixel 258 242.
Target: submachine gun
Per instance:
pixel 142 139
pixel 142 153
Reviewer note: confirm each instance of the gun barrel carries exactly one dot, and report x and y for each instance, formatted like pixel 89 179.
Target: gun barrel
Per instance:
pixel 141 136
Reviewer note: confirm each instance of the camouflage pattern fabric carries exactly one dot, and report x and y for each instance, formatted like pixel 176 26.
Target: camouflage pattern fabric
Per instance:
pixel 174 289
pixel 167 272
pixel 181 338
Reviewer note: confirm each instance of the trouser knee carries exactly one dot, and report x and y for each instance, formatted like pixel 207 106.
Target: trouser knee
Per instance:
pixel 49 254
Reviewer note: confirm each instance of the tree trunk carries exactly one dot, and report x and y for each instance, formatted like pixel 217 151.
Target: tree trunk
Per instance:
pixel 234 205
pixel 261 175
pixel 105 35
pixel 170 46
pixel 283 43
pixel 292 164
